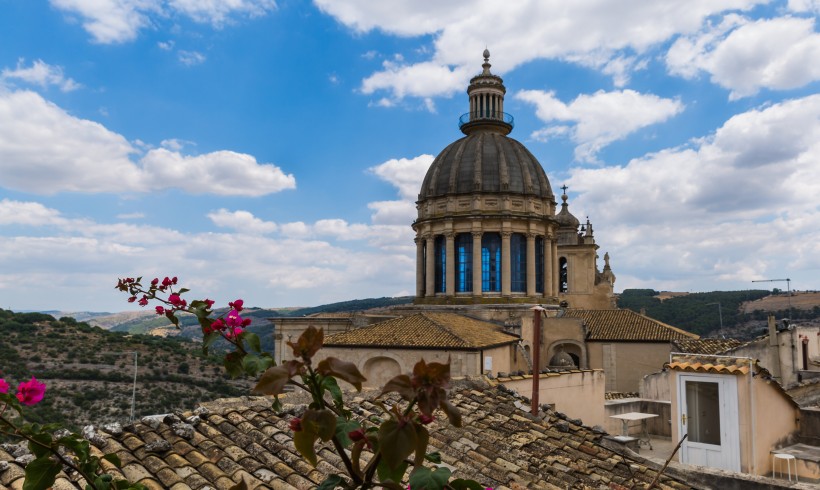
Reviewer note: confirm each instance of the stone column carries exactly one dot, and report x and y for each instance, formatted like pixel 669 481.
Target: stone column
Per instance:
pixel 505 263
pixel 430 290
pixel 419 266
pixel 477 263
pixel 450 264
pixel 555 270
pixel 549 271
pixel 530 264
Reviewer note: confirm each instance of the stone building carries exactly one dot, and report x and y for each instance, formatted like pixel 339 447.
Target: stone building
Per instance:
pixel 487 231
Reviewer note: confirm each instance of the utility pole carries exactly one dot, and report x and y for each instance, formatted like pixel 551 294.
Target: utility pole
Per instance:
pixel 788 291
pixel 134 388
pixel 720 312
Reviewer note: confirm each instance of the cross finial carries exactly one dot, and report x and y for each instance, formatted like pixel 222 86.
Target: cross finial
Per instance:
pixel 564 188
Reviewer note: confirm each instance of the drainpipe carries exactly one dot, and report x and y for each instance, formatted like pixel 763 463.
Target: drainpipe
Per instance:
pixel 537 310
pixel 753 419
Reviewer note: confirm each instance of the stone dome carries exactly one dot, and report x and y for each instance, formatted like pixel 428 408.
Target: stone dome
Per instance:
pixel 564 218
pixel 562 360
pixel 485 162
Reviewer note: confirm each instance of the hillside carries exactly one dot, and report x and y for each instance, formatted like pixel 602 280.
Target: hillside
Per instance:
pixel 743 313
pixel 89 372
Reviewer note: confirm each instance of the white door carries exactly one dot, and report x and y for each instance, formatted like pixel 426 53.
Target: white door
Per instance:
pixel 707 404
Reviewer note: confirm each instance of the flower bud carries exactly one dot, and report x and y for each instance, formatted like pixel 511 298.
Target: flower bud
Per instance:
pixel 296 425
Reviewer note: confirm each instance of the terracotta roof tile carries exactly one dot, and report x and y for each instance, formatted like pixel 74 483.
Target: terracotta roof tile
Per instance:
pixel 706 346
pixel 626 325
pixel 425 330
pixel 500 445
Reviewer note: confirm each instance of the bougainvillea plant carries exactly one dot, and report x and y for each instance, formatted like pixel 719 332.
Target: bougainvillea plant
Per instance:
pixel 395 443
pixel 54 449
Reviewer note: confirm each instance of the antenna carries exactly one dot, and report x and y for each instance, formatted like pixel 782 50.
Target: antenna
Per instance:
pixel 134 388
pixel 788 291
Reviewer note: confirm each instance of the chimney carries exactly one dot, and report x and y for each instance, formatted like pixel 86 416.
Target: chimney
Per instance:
pixel 772 331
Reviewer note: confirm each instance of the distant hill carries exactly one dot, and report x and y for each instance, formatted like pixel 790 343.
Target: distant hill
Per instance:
pixel 744 313
pixel 89 371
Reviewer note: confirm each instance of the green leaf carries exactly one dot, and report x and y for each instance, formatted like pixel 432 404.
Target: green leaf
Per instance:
pixel 434 457
pixel 422 437
pixel 209 339
pixel 397 441
pixel 343 370
pixel 329 383
pixel 183 291
pixel 251 364
pixel 253 341
pixel 113 459
pixel 453 415
pixel 172 318
pixel 460 484
pixel 41 473
pixel 274 379
pixel 233 365
pixel 37 449
pixel 343 428
pixel 429 479
pixel 304 441
pixel 400 384
pixel 331 482
pixel 388 474
pixel 321 422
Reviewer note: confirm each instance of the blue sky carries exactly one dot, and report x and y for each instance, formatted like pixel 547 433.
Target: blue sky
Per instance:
pixel 273 150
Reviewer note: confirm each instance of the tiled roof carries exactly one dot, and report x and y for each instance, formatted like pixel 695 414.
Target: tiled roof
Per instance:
pixel 706 346
pixel 709 364
pixel 501 445
pixel 620 395
pixel 626 325
pixel 425 330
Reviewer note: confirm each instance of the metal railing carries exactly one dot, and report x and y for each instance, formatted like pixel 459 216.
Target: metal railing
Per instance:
pixel 478 116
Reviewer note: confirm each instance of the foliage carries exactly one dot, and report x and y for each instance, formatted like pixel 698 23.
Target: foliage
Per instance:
pixel 696 312
pixel 397 440
pixel 52 449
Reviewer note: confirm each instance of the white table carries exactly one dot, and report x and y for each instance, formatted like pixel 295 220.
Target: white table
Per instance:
pixel 625 418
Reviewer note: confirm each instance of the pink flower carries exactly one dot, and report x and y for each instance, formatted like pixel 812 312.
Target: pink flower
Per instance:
pixel 426 419
pixel 233 319
pixel 175 300
pixel 4 387
pixel 155 281
pixel 218 324
pixel 31 392
pixel 209 302
pixel 160 310
pixel 246 322
pixel 143 301
pixel 237 305
pixel 296 424
pixel 132 299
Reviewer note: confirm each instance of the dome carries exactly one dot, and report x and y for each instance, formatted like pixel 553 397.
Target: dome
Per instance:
pixel 562 360
pixel 564 218
pixel 485 161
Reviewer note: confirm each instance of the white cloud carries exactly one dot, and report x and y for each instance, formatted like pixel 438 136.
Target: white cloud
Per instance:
pixel 521 32
pixel 398 213
pixel 600 118
pixel 745 56
pixel 45 150
pixel 40 73
pixel 76 259
pixel 243 221
pixel 118 21
pixel 810 6
pixel 190 58
pixel 738 205
pixel 406 174
pixel 135 215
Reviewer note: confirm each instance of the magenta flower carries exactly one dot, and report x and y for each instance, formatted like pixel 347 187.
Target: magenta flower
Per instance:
pixel 233 319
pixel 160 310
pixel 237 305
pixel 218 324
pixel 175 300
pixel 31 392
pixel 210 303
pixel 4 387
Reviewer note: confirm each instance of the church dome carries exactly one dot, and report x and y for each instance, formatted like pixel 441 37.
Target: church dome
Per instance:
pixel 564 218
pixel 562 360
pixel 486 161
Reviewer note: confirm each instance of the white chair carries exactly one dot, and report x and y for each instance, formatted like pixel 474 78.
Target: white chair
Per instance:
pixel 779 458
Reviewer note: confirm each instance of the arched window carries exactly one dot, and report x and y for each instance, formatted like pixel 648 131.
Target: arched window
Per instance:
pixel 464 263
pixel 539 264
pixel 518 263
pixel 563 275
pixel 491 262
pixel 441 263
